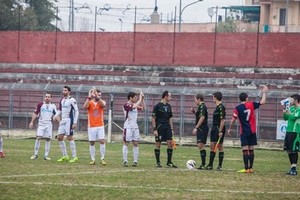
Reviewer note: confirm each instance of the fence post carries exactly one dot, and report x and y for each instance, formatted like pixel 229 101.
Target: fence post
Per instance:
pixel 110 113
pixel 11 106
pixel 78 103
pixel 181 122
pixel 146 114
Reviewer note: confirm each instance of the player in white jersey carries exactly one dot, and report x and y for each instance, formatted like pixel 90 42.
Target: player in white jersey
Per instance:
pixel 2 155
pixel 45 111
pixel 131 131
pixel 69 115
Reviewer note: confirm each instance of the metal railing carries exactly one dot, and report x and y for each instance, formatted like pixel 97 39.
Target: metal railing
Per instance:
pixel 18 101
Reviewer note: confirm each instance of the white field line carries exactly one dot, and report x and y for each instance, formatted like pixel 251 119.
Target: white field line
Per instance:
pixel 62 174
pixel 150 188
pixel 92 172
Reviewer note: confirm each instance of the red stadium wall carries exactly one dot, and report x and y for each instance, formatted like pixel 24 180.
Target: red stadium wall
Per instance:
pixel 165 49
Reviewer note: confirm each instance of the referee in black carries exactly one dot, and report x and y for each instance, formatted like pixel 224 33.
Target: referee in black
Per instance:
pixel 162 124
pixel 217 132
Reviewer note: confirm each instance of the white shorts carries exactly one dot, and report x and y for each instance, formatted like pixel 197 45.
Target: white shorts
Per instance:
pixel 44 131
pixel 96 133
pixel 131 134
pixel 65 127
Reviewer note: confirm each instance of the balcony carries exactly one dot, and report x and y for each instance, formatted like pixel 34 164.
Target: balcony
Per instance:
pixel 266 1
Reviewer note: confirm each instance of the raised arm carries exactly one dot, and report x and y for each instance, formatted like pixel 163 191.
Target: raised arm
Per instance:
pixel 264 95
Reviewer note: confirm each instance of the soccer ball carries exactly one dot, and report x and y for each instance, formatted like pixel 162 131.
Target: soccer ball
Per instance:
pixel 191 164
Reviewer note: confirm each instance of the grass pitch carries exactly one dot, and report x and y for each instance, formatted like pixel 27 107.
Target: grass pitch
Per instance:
pixel 22 178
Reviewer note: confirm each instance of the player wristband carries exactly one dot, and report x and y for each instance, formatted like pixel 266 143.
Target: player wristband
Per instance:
pixel 154 128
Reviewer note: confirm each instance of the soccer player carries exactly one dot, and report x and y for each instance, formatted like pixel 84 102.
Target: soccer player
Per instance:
pixel 162 123
pixel 69 115
pixel 95 106
pixel 245 112
pixel 2 155
pixel 44 111
pixel 131 131
pixel 201 128
pixel 292 137
pixel 217 132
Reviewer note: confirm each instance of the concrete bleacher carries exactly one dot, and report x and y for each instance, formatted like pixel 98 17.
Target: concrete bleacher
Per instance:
pixel 222 77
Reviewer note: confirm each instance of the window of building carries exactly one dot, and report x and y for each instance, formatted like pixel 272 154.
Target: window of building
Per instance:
pixel 282 16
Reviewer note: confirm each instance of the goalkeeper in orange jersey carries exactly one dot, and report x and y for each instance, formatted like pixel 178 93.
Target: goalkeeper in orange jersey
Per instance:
pixel 94 105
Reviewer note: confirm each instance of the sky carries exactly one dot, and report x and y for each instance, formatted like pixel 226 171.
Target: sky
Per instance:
pixel 119 15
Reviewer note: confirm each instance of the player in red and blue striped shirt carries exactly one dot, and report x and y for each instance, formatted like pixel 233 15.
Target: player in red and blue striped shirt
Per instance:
pixel 245 112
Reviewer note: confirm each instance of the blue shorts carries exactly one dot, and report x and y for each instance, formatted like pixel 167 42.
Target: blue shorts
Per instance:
pixel 248 139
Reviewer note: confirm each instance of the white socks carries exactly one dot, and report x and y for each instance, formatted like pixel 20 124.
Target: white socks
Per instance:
pixel 37 146
pixel 73 148
pixel 135 154
pixel 125 153
pixel 92 152
pixel 102 151
pixel 1 144
pixel 62 146
pixel 47 148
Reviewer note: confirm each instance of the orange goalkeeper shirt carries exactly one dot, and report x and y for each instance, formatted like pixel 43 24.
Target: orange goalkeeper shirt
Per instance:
pixel 95 114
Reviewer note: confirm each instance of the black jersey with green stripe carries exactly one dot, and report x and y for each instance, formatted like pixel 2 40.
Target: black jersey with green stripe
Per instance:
pixel 219 114
pixel 201 111
pixel 162 114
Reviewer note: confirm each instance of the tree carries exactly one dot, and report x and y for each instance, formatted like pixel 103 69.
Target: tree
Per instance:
pixel 227 26
pixel 27 15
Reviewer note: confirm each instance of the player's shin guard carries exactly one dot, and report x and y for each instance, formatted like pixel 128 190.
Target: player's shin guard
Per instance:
pixel 294 158
pixel 211 158
pixel 157 155
pixel 221 157
pixel 92 152
pixel 246 158
pixel 47 148
pixel 125 152
pixel 62 146
pixel 73 148
pixel 102 151
pixel 1 144
pixel 291 157
pixel 203 156
pixel 135 154
pixel 251 158
pixel 169 153
pixel 37 146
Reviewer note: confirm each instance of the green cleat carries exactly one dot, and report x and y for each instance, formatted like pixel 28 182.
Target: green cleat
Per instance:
pixel 244 171
pixel 63 159
pixel 74 160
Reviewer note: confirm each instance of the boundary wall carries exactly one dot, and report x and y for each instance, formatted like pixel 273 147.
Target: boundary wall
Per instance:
pixel 160 49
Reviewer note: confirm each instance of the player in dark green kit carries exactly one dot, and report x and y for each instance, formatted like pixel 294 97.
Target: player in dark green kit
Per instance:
pixel 292 137
pixel 201 128
pixel 162 124
pixel 217 132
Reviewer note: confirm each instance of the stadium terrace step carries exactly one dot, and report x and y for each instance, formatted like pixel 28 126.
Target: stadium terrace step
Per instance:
pixel 225 77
